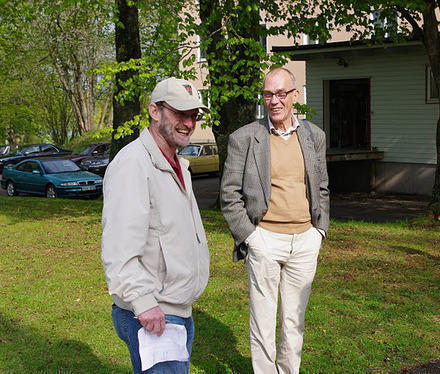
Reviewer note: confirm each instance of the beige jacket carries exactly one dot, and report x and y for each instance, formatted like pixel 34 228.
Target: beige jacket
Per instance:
pixel 154 248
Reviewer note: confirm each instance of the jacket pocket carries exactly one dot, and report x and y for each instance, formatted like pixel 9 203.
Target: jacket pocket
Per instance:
pixel 177 272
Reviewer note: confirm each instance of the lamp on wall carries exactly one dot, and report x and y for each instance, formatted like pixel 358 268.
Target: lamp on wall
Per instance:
pixel 342 62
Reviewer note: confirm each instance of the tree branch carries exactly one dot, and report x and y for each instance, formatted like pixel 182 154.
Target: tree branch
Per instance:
pixel 418 31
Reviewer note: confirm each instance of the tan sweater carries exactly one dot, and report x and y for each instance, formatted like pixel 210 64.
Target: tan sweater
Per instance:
pixel 288 211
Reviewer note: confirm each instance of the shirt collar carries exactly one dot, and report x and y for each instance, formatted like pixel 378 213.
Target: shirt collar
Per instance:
pixel 289 131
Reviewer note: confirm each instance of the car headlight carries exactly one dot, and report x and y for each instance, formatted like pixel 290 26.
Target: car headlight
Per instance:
pixel 98 181
pixel 67 184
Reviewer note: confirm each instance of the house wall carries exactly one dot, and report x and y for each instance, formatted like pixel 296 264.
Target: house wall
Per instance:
pixel 403 125
pixel 296 67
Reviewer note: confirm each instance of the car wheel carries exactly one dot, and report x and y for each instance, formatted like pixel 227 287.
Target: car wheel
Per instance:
pixel 10 189
pixel 51 192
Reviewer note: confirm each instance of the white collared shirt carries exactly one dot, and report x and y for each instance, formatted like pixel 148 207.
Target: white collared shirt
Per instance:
pixel 286 134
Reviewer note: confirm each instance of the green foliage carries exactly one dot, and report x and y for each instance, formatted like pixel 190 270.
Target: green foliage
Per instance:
pixel 304 109
pixel 161 45
pixel 49 50
pixel 92 136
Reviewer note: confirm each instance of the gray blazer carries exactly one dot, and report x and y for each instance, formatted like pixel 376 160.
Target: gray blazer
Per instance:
pixel 246 181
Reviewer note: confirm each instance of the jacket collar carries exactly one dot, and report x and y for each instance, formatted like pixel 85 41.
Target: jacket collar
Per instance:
pixel 160 162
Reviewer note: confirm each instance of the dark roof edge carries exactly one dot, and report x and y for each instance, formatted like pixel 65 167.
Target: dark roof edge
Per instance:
pixel 357 44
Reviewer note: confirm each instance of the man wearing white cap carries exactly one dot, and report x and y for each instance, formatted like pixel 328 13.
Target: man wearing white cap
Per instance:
pixel 154 249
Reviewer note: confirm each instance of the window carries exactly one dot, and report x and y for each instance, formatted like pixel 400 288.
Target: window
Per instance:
pixel 263 37
pixel 28 166
pixel 49 149
pixel 190 150
pixel 34 166
pixel 306 40
pixel 201 53
pixel 59 166
pixel 260 110
pixel 204 97
pixel 432 94
pixel 100 149
pixel 25 166
pixel 32 149
pixel 209 150
pixel 381 22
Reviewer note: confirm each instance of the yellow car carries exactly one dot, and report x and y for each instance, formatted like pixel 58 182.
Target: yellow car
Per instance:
pixel 202 157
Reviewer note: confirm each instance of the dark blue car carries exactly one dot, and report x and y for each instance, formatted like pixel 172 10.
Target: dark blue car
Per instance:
pixel 32 151
pixel 51 178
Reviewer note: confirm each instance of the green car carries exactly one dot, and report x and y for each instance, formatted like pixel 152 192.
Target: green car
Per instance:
pixel 50 178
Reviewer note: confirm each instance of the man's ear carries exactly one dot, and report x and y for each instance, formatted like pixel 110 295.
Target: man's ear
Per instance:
pixel 295 95
pixel 154 111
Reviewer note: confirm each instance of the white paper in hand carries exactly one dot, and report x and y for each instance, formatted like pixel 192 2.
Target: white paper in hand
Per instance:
pixel 170 346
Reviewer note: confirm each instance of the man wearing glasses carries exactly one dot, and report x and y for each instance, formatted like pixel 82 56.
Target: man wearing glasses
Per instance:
pixel 154 248
pixel 275 198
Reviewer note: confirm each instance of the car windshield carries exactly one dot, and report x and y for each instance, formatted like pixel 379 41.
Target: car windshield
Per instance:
pixel 190 150
pixel 19 150
pixel 85 150
pixel 59 166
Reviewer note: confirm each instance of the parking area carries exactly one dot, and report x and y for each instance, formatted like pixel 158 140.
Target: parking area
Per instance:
pixel 345 207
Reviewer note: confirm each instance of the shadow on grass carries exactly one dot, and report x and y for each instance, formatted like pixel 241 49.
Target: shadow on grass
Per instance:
pixel 215 347
pixel 412 251
pixel 429 368
pixel 24 350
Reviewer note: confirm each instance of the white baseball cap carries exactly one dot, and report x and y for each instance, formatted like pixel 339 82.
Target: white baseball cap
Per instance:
pixel 178 93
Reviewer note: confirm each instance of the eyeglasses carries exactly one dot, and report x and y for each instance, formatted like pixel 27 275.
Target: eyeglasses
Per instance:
pixel 281 95
pixel 183 115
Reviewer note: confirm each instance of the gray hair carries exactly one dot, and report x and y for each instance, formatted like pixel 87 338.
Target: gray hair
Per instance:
pixel 276 70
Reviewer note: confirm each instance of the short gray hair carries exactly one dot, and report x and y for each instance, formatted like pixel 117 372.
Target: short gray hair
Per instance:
pixel 275 70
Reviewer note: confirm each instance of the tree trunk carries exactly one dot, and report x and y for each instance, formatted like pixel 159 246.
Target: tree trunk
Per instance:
pixel 431 40
pixel 104 115
pixel 127 43
pixel 237 111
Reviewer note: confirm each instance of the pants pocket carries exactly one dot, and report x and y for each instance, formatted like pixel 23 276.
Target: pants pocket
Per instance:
pixel 119 317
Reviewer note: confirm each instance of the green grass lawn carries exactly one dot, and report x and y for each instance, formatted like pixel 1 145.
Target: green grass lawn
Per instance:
pixel 375 303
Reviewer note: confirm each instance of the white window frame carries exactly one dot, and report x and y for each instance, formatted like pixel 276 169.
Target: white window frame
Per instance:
pixel 200 57
pixel 307 41
pixel 375 20
pixel 264 39
pixel 208 103
pixel 260 110
pixel 430 87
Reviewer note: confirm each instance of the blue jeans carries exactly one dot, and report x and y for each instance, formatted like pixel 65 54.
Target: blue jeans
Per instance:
pixel 127 328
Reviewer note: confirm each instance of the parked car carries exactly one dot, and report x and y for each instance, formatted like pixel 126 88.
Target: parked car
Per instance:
pixel 96 164
pixel 202 157
pixel 50 177
pixel 4 150
pixel 95 149
pixel 32 151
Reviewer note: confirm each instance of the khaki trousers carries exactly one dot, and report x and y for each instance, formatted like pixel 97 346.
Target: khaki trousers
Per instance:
pixel 286 264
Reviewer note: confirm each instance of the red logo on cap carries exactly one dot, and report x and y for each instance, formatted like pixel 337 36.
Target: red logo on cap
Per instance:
pixel 188 88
